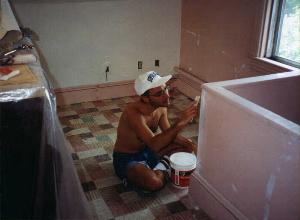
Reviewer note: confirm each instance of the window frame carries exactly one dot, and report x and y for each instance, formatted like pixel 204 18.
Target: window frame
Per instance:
pixel 274 29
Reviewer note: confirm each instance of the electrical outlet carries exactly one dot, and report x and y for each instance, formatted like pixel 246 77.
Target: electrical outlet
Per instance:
pixel 156 63
pixel 106 72
pixel 106 63
pixel 106 66
pixel 140 65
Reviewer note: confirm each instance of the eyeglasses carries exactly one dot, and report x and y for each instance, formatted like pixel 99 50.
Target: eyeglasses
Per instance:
pixel 161 92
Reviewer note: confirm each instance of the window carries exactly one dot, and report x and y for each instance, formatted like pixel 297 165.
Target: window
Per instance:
pixel 284 33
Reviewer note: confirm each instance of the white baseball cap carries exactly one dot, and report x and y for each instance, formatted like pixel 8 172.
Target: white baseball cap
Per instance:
pixel 148 81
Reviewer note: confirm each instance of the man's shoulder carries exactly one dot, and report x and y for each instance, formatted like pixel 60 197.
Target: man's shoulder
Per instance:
pixel 132 109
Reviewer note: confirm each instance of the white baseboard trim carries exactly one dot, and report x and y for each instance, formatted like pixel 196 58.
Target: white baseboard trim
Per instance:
pixel 71 95
pixel 211 201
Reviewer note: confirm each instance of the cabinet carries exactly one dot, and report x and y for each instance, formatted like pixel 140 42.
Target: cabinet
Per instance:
pixel 21 136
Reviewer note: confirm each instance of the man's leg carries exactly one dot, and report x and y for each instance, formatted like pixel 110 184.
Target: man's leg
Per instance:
pixel 146 178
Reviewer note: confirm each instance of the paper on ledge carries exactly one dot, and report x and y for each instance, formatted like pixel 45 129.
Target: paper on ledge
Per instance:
pixel 10 75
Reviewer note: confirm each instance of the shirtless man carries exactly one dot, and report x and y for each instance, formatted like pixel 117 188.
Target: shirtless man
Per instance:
pixel 138 149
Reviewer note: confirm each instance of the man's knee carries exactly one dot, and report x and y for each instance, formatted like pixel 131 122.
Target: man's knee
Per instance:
pixel 154 183
pixel 146 178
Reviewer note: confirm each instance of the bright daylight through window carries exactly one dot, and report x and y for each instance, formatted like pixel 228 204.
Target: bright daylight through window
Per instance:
pixel 284 35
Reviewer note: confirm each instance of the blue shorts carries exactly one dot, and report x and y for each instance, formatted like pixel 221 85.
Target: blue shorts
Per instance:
pixel 123 161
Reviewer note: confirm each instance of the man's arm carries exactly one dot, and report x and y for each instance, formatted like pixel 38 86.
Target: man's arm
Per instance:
pixel 159 141
pixel 164 124
pixel 185 142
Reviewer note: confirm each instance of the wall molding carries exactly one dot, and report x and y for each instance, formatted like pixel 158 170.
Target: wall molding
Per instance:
pixel 183 81
pixel 71 95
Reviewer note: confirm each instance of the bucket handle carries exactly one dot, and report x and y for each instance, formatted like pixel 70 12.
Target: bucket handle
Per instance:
pixel 177 177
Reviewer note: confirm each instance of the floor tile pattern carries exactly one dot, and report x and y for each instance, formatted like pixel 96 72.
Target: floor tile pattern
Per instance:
pixel 90 128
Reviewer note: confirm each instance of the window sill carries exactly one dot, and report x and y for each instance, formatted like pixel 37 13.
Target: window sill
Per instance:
pixel 276 63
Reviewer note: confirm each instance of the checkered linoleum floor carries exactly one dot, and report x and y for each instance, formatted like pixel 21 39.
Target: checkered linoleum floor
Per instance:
pixel 90 129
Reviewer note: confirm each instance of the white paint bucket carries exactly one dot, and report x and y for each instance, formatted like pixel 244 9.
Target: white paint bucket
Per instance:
pixel 182 166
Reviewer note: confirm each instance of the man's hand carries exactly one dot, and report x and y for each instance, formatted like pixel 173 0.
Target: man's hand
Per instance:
pixel 188 114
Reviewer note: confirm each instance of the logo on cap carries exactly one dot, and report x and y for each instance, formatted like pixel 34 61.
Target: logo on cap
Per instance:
pixel 151 76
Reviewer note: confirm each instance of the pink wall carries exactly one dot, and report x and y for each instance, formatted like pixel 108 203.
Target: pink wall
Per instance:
pixel 281 96
pixel 219 38
pixel 249 157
